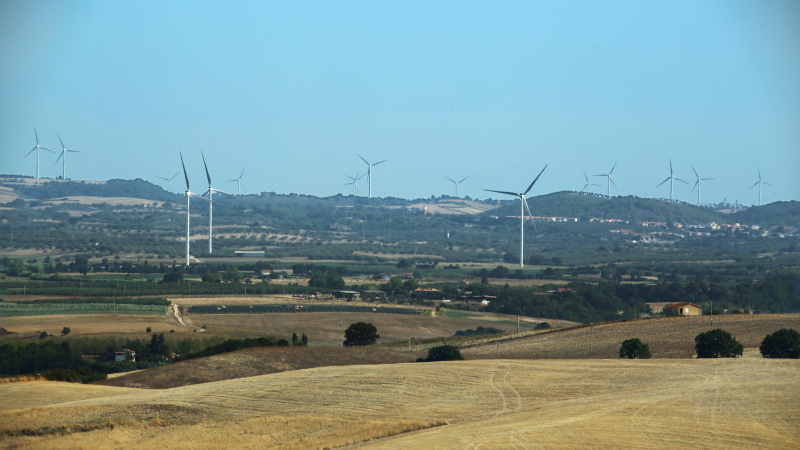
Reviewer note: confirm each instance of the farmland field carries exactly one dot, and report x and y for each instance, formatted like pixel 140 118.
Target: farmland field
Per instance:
pixel 747 402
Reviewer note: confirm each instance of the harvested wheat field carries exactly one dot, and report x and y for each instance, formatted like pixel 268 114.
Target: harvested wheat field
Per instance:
pixel 668 337
pixel 733 403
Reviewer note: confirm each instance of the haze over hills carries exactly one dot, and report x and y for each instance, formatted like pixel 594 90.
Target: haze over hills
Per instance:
pixel 559 204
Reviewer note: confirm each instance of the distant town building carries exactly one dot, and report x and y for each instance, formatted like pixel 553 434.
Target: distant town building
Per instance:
pixel 683 309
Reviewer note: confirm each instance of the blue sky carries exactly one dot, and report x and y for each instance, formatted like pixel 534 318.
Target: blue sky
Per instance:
pixel 291 91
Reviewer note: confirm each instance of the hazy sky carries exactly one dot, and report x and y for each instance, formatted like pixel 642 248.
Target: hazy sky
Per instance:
pixel 290 91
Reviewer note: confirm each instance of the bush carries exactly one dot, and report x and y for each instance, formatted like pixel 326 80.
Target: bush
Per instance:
pixel 80 375
pixel 784 343
pixel 634 349
pixel 65 331
pixel 717 344
pixel 360 333
pixel 542 326
pixel 443 353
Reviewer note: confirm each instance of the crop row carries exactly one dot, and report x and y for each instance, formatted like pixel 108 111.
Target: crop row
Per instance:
pixel 26 309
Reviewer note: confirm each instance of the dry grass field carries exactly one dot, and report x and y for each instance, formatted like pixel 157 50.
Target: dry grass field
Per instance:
pixel 735 403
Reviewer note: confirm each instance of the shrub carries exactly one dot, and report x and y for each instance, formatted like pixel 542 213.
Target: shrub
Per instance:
pixel 360 333
pixel 65 331
pixel 634 349
pixel 717 344
pixel 443 353
pixel 784 343
pixel 542 326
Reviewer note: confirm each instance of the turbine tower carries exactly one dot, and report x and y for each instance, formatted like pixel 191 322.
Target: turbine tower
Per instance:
pixel 759 183
pixel 169 180
pixel 188 194
pixel 671 178
pixel 586 186
pixel 239 184
pixel 609 180
pixel 354 183
pixel 63 154
pixel 457 182
pixel 210 193
pixel 37 149
pixel 697 184
pixel 369 172
pixel 522 205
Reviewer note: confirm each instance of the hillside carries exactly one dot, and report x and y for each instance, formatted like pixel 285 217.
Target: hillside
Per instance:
pixel 777 213
pixel 735 403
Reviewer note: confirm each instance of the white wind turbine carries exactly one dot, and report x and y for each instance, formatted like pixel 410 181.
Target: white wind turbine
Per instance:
pixel 188 194
pixel 63 154
pixel 609 180
pixel 457 182
pixel 210 193
pixel 586 187
pixel 369 172
pixel 37 149
pixel 759 183
pixel 169 180
pixel 522 205
pixel 239 184
pixel 671 178
pixel 354 183
pixel 697 184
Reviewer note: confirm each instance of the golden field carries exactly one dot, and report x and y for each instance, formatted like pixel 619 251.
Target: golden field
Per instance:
pixel 746 402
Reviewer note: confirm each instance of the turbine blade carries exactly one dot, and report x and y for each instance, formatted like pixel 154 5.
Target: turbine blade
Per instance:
pixel 206 166
pixel 451 179
pixel 659 185
pixel 612 181
pixel 587 178
pixel 26 154
pixel 754 185
pixel 241 174
pixel 680 180
pixel 535 179
pixel 37 136
pixel 380 162
pixel 530 214
pixel 362 158
pixel 46 149
pixel 695 172
pixel 612 169
pixel 767 183
pixel 503 192
pixel 59 156
pixel 176 174
pixel 62 142
pixel 696 183
pixel 184 172
pixel 670 166
pixel 462 180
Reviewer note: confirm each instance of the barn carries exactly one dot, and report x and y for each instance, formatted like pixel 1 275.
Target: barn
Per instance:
pixel 683 309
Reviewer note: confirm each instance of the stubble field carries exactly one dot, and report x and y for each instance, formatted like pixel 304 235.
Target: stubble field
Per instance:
pixel 736 403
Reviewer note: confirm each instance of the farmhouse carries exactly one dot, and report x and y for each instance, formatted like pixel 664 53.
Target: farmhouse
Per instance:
pixel 683 309
pixel 347 295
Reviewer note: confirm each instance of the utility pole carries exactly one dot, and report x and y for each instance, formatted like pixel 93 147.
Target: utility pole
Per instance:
pixel 591 337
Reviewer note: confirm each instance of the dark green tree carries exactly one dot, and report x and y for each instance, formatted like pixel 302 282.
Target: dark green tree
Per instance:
pixel 172 277
pixel 360 333
pixel 634 349
pixel 443 353
pixel 784 343
pixel 717 344
pixel 65 331
pixel 158 346
pixel 294 339
pixel 304 340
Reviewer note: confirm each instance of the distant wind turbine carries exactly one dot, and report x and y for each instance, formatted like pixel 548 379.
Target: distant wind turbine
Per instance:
pixel 239 184
pixel 522 205
pixel 210 193
pixel 609 180
pixel 189 194
pixel 697 184
pixel 759 183
pixel 369 172
pixel 671 178
pixel 457 182
pixel 354 183
pixel 169 180
pixel 37 149
pixel 586 187
pixel 63 155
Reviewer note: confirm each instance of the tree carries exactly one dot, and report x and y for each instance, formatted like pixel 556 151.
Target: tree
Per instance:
pixel 634 349
pixel 172 277
pixel 360 333
pixel 232 274
pixel 294 339
pixel 211 277
pixel 304 340
pixel 158 345
pixel 443 353
pixel 784 343
pixel 65 331
pixel 82 264
pixel 717 344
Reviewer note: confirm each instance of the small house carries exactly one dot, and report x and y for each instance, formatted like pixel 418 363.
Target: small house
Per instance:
pixel 683 309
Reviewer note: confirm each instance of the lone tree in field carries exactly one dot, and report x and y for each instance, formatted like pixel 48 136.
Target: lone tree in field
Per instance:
pixel 360 333
pixel 65 331
pixel 784 343
pixel 634 349
pixel 443 353
pixel 717 344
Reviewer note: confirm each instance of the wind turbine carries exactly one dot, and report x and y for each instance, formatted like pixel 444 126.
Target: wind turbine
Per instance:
pixel 63 154
pixel 354 183
pixel 369 172
pixel 522 205
pixel 671 178
pixel 458 182
pixel 759 183
pixel 697 184
pixel 609 180
pixel 189 194
pixel 239 184
pixel 37 149
pixel 169 180
pixel 586 187
pixel 210 193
